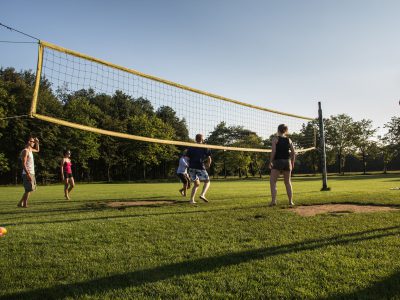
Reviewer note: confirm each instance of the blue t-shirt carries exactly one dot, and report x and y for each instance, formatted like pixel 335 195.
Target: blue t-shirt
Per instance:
pixel 197 157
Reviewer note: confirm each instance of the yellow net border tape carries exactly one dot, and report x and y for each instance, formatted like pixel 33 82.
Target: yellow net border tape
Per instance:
pixel 151 140
pixel 33 113
pixel 84 56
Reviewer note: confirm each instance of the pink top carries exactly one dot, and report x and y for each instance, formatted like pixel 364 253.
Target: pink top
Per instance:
pixel 67 167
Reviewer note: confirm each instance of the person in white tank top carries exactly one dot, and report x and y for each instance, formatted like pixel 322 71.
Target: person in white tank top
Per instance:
pixel 28 169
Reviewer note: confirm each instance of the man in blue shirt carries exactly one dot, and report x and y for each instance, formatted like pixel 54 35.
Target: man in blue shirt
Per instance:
pixel 199 160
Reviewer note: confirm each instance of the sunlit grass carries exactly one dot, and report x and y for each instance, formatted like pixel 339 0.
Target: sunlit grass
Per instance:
pixel 233 247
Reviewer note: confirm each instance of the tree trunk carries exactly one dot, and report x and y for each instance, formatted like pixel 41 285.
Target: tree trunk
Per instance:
pixel 364 163
pixel 16 176
pixel 108 173
pixel 224 166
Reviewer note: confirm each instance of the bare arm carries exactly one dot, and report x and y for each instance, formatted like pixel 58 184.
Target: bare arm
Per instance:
pixel 62 168
pixel 36 148
pixel 273 152
pixel 292 153
pixel 208 162
pixel 24 157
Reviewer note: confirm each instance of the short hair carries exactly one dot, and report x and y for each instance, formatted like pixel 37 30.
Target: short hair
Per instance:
pixel 199 137
pixel 282 128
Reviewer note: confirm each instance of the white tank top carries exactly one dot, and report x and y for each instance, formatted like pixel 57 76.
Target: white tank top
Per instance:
pixel 30 163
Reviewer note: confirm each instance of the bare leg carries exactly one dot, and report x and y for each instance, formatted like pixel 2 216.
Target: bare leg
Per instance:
pixel 288 184
pixel 186 185
pixel 184 189
pixel 71 185
pixel 272 180
pixel 24 200
pixel 66 188
pixel 196 185
pixel 181 191
pixel 205 189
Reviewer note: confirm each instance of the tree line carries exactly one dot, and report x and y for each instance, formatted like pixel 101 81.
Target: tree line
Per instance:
pixel 105 158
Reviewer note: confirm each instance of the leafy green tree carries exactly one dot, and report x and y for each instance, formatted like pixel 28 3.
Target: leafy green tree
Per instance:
pixel 235 161
pixel 340 134
pixel 148 154
pixel 239 162
pixel 115 112
pixel 392 137
pixel 307 137
pixel 17 89
pixel 363 133
pixel 4 167
pixel 84 145
pixel 390 142
pixel 168 116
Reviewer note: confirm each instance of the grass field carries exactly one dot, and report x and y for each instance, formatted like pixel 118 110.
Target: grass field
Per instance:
pixel 233 247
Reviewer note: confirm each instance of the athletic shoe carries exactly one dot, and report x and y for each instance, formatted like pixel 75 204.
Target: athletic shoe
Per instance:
pixel 192 202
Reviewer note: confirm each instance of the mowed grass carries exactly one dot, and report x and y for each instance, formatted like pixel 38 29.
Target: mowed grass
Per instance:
pixel 233 247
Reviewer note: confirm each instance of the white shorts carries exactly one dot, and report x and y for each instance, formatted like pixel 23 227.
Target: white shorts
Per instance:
pixel 196 174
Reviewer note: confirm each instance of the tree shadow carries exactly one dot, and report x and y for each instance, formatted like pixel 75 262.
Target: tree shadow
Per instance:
pixel 389 288
pixel 363 177
pixel 207 264
pixel 193 210
pixel 88 206
pixel 394 205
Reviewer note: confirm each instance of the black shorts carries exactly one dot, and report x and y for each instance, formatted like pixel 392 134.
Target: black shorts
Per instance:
pixel 68 175
pixel 184 179
pixel 282 165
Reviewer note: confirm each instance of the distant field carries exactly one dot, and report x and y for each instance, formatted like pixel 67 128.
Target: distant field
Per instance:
pixel 233 247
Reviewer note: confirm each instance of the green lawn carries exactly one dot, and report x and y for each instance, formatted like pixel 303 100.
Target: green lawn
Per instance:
pixel 233 247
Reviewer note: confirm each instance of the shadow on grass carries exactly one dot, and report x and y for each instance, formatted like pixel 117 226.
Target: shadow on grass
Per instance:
pixel 354 203
pixel 389 288
pixel 208 264
pixel 89 206
pixel 194 210
pixel 27 211
pixel 363 177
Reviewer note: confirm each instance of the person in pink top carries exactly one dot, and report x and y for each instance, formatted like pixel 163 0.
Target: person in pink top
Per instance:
pixel 66 174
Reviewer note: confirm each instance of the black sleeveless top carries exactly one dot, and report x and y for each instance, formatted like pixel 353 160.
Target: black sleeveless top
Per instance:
pixel 282 148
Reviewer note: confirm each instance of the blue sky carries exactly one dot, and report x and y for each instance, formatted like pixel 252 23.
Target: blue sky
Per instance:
pixel 284 55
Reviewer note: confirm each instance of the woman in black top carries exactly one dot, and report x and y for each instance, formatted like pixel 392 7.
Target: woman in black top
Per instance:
pixel 282 161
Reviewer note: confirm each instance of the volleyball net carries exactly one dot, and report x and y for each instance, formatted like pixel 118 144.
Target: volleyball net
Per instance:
pixel 69 72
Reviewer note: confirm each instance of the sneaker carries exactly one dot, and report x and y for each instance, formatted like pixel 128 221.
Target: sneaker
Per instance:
pixel 192 202
pixel 204 199
pixel 291 204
